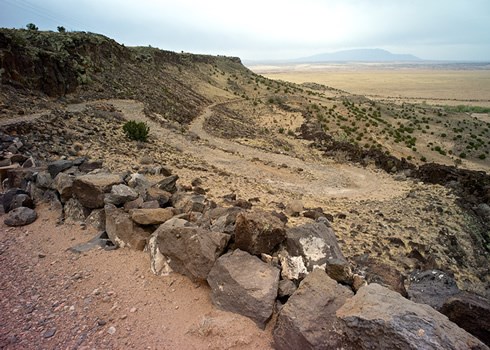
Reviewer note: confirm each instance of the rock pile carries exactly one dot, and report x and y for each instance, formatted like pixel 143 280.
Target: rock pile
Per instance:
pixel 254 264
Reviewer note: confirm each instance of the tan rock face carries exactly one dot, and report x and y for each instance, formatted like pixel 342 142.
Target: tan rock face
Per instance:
pixel 151 216
pixel 90 189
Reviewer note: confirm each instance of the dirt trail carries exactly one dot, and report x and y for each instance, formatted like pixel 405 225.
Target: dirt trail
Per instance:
pixel 314 179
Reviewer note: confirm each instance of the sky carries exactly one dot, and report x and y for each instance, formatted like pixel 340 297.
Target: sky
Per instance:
pixel 272 29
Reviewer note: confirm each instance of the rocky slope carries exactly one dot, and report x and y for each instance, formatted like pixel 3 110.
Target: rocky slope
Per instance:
pixel 239 140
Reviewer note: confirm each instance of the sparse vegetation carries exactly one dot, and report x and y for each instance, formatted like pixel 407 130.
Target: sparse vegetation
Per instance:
pixel 137 131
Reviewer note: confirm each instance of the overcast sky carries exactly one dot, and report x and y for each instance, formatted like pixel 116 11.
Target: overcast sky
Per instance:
pixel 272 29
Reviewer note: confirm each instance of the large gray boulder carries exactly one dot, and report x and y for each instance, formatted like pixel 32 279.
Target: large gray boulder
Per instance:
pixel 120 194
pixel 90 189
pixel 258 232
pixel 20 217
pixel 191 251
pixel 379 318
pixel 244 284
pixel 317 245
pixel 308 319
pixel 122 231
pixel 431 287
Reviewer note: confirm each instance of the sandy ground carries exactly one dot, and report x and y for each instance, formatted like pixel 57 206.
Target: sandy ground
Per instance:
pixel 103 299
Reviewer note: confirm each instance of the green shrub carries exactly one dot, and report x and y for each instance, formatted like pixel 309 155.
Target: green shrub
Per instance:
pixel 137 131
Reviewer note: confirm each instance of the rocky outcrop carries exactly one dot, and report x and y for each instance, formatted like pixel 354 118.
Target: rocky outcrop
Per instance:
pixel 258 232
pixel 378 318
pixel 191 251
pixel 242 283
pixel 308 319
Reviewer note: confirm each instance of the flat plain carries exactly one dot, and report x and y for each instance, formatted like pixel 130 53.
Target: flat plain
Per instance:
pixel 433 83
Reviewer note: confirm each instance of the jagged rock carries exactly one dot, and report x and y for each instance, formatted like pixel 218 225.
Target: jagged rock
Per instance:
pixel 63 183
pixel 139 182
pixel 151 216
pixel 88 166
pixel 189 202
pixel 308 319
pixel 120 194
pixel 29 163
pixel 431 287
pixel 96 219
pixel 134 204
pixel 191 251
pixel 243 284
pixel 54 168
pixel 75 211
pixel 90 189
pixel 168 184
pixel 317 245
pixel 10 196
pixel 122 231
pixel 44 180
pixel 258 232
pixel 378 272
pixel 20 217
pixel 379 318
pixel 156 194
pixel 150 205
pixel 471 312
pixel 286 288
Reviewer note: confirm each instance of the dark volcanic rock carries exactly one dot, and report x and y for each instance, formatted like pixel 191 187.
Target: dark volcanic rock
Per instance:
pixel 9 196
pixel 378 318
pixel 308 319
pixel 90 189
pixel 20 217
pixel 471 312
pixel 258 232
pixel 242 283
pixel 431 287
pixel 58 166
pixel 191 251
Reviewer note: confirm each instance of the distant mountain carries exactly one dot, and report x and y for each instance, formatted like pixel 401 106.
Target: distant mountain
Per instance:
pixel 359 55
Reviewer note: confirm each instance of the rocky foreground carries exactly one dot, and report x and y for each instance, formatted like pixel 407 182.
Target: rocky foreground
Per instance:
pixel 293 279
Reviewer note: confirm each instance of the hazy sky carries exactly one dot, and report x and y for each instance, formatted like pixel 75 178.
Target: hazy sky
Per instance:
pixel 272 29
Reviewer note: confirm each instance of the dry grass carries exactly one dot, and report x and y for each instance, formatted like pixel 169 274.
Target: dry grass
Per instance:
pixel 410 84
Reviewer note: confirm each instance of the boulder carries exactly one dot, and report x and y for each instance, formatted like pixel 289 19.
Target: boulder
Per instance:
pixel 286 288
pixel 471 312
pixel 96 219
pixel 21 200
pixel 90 189
pixel 120 194
pixel 243 284
pixel 431 287
pixel 139 182
pixel 191 251
pixel 20 177
pixel 54 168
pixel 20 217
pixel 379 318
pixel 258 232
pixel 10 196
pixel 376 271
pixel 161 196
pixel 75 211
pixel 155 216
pixel 63 183
pixel 189 202
pixel 44 180
pixel 168 184
pixel 308 319
pixel 317 245
pixel 122 231
pixel 134 204
pixel 292 267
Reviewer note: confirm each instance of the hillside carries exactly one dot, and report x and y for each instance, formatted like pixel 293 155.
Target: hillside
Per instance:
pixel 404 187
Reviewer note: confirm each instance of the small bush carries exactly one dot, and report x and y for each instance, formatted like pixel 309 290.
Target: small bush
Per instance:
pixel 137 131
